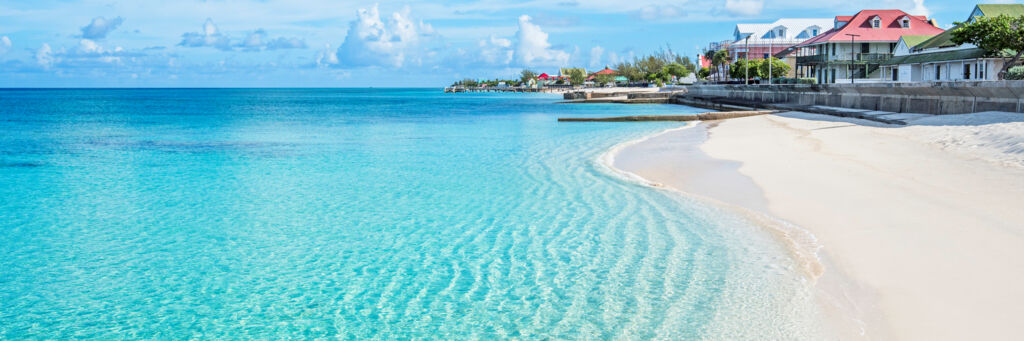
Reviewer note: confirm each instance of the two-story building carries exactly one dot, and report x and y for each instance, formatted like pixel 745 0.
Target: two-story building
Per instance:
pixel 939 59
pixel 854 49
pixel 759 41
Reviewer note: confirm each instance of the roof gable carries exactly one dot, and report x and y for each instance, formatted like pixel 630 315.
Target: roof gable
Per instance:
pixel 1012 10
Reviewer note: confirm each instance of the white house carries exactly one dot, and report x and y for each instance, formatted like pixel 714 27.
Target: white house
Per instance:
pixel 939 59
pixel 768 39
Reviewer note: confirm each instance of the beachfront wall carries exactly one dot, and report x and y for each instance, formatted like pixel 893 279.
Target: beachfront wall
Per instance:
pixel 924 98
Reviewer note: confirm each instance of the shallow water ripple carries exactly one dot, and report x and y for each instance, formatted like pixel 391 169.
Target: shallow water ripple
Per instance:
pixel 360 214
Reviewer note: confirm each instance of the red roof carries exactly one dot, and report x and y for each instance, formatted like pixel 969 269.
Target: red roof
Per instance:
pixel 543 76
pixel 606 71
pixel 890 31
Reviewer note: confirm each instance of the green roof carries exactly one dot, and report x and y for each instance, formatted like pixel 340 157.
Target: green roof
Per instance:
pixel 939 56
pixel 993 10
pixel 945 39
pixel 912 40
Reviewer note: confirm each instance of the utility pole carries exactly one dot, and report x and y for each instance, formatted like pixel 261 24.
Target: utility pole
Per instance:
pixel 746 80
pixel 771 54
pixel 850 72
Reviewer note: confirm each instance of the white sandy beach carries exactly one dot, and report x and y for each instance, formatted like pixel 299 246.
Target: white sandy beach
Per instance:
pixel 921 227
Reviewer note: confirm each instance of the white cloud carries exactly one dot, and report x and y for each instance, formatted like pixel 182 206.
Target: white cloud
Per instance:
pixel 100 26
pixel 259 41
pixel 326 57
pixel 44 56
pixel 210 36
pixel 286 43
pixel 662 12
pixel 532 47
pixel 87 46
pixel 5 44
pixel 496 51
pixel 920 9
pixel 373 42
pixel 744 7
pixel 595 56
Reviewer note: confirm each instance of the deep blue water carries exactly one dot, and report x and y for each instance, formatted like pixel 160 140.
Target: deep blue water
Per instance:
pixel 360 213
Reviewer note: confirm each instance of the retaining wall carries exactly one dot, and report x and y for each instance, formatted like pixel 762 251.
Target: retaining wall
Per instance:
pixel 925 98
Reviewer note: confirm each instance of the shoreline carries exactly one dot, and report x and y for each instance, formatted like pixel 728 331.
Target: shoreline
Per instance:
pixel 832 289
pixel 905 228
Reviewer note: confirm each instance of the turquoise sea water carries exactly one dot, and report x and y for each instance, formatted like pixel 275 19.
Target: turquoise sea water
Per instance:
pixel 361 214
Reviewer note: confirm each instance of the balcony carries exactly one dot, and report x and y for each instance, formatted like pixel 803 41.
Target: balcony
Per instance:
pixel 859 58
pixel 815 59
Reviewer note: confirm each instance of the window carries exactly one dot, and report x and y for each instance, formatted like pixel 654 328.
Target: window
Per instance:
pixel 765 56
pixel 967 71
pixel 814 32
pixel 833 49
pixel 781 34
pixel 892 47
pixel 905 23
pixel 833 75
pixel 876 23
pixel 938 72
pixel 865 48
pixel 895 74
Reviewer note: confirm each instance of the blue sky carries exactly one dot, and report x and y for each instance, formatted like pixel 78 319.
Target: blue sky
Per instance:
pixel 345 43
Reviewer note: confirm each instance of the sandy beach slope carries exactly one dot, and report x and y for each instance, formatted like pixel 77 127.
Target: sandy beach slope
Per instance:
pixel 921 226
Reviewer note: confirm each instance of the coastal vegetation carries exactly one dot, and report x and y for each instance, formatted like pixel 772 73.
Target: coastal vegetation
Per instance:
pixel 758 68
pixel 719 60
pixel 1000 33
pixel 703 73
pixel 526 75
pixel 1015 73
pixel 661 65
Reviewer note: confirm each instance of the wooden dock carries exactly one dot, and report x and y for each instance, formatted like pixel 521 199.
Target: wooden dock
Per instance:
pixel 708 116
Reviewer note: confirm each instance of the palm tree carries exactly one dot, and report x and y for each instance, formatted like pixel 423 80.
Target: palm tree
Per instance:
pixel 720 58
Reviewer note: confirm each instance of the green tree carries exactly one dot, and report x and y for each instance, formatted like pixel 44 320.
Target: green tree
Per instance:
pixel 675 69
pixel 703 73
pixel 604 79
pixel 995 35
pixel 779 68
pixel 738 69
pixel 577 76
pixel 719 60
pixel 526 75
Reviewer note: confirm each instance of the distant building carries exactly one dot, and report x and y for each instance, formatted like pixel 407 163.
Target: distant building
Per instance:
pixel 769 39
pixel 937 58
pixel 856 46
pixel 606 71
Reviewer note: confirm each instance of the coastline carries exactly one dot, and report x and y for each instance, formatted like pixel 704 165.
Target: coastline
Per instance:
pixel 904 228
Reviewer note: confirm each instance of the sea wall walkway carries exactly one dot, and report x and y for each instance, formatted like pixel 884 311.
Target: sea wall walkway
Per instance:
pixel 935 98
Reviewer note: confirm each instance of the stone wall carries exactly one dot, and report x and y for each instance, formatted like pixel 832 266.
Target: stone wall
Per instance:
pixel 925 98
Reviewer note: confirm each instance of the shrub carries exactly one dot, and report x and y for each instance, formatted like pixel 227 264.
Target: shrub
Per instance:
pixel 807 81
pixel 703 73
pixel 1015 73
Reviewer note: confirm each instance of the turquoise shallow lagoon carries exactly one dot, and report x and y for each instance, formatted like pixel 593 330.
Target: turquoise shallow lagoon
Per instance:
pixel 362 214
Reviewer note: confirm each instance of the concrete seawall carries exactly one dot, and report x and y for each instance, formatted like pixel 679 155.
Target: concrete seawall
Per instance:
pixel 925 98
